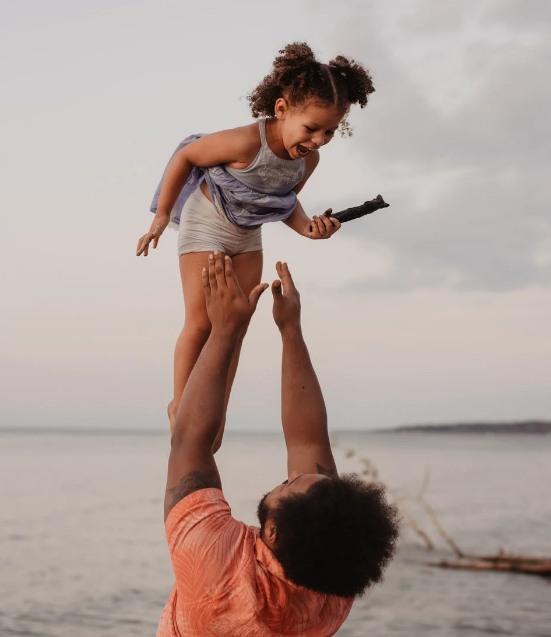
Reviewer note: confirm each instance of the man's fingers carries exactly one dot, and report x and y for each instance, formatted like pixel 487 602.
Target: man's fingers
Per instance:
pixel 155 242
pixel 276 288
pixel 219 269
pixel 206 283
pixel 231 279
pixel 285 275
pixel 256 293
pixel 212 274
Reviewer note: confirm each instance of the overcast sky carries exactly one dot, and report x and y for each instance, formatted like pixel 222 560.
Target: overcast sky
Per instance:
pixel 435 310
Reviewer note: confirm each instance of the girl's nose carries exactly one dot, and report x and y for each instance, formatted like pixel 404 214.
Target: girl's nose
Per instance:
pixel 319 141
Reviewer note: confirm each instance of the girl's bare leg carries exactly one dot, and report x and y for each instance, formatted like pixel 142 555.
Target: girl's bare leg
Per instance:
pixel 248 269
pixel 196 326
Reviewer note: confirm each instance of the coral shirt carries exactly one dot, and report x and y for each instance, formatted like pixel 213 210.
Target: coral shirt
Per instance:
pixel 229 584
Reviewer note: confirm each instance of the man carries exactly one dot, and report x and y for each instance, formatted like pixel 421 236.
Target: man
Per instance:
pixel 323 539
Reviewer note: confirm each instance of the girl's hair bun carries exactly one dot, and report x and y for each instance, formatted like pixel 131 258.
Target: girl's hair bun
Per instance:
pixel 356 77
pixel 295 57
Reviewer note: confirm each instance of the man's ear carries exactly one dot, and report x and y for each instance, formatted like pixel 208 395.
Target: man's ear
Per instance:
pixel 270 533
pixel 281 108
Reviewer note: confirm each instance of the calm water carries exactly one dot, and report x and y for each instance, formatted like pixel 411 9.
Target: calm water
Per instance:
pixel 82 548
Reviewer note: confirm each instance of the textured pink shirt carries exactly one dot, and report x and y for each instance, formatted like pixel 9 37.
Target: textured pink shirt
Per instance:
pixel 229 583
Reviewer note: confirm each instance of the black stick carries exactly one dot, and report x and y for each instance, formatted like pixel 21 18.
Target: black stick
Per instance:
pixel 358 211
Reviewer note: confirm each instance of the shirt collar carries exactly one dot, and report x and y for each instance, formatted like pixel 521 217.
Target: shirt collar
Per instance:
pixel 265 556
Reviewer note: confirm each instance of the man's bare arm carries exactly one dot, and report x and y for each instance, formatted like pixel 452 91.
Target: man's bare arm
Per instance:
pixel 191 464
pixel 194 481
pixel 304 416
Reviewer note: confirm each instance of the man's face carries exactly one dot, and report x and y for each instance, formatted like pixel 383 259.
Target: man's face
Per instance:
pixel 296 483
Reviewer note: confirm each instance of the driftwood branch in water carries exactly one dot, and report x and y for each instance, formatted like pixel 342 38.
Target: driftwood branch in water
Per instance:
pixel 429 545
pixel 447 538
pixel 529 566
pixel 500 561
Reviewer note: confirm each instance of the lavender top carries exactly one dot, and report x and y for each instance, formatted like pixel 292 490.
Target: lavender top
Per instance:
pixel 258 194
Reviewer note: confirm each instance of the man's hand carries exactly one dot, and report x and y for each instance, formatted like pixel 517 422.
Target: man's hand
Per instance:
pixel 286 299
pixel 228 309
pixel 303 412
pixel 322 227
pixel 157 228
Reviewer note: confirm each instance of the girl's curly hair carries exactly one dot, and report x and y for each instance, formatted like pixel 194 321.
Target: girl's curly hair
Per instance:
pixel 299 77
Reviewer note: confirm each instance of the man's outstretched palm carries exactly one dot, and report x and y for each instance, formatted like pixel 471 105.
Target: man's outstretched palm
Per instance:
pixel 286 299
pixel 227 307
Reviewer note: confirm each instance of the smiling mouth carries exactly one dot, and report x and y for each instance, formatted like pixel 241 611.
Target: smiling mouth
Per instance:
pixel 302 150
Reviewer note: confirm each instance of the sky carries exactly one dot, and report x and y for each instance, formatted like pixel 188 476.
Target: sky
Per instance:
pixel 434 310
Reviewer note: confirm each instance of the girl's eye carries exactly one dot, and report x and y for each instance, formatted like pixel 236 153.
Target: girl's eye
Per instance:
pixel 310 130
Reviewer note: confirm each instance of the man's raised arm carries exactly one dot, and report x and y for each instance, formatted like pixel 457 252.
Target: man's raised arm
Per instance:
pixel 191 464
pixel 303 412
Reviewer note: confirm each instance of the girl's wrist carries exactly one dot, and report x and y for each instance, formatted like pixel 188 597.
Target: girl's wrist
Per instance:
pixel 306 228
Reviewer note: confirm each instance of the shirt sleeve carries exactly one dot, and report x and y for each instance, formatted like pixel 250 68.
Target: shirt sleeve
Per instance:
pixel 204 541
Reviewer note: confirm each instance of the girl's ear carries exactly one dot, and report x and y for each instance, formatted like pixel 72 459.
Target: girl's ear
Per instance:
pixel 281 108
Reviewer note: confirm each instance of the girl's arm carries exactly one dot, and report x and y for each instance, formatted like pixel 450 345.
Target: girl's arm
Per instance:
pixel 299 221
pixel 236 147
pixel 318 227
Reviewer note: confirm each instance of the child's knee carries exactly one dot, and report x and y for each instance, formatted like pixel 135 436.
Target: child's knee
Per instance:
pixel 198 329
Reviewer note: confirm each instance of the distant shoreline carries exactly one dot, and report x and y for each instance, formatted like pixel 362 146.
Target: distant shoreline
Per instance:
pixel 522 427
pixel 538 427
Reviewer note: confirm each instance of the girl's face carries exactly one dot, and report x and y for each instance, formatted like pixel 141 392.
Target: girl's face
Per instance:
pixel 307 127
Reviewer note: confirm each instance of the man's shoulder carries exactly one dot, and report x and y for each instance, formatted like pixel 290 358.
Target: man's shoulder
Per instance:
pixel 201 519
pixel 201 503
pixel 209 549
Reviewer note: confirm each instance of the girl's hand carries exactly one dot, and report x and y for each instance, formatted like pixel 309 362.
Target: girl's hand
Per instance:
pixel 157 228
pixel 322 227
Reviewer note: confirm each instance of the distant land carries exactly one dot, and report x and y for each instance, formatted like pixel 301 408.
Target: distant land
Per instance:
pixel 521 427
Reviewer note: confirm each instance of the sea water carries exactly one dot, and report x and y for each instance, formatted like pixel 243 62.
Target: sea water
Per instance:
pixel 83 552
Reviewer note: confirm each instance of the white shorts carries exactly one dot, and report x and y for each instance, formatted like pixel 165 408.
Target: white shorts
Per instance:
pixel 204 229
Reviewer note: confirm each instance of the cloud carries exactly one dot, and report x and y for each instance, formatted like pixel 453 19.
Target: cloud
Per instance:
pixel 532 15
pixel 467 183
pixel 430 16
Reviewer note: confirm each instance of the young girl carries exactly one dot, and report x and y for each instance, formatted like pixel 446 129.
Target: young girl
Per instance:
pixel 222 187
